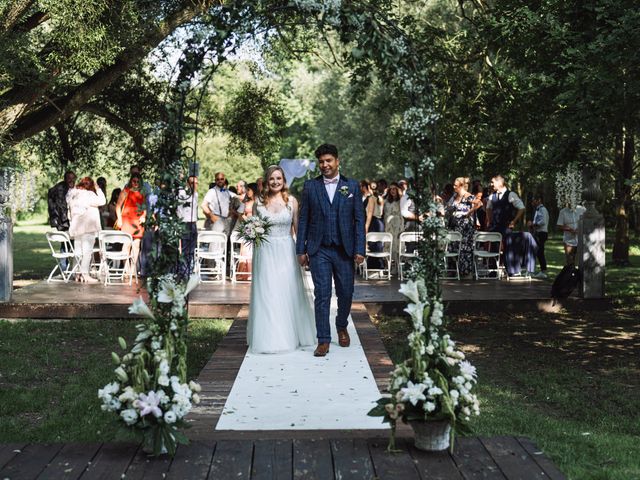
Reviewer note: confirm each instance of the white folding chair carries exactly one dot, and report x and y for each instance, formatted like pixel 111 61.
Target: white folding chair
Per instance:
pixel 487 248
pixel 384 256
pixel 211 256
pixel 61 250
pixel 405 257
pixel 237 258
pixel 453 241
pixel 115 263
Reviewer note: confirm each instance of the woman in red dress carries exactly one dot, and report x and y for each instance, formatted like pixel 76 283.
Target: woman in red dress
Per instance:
pixel 130 210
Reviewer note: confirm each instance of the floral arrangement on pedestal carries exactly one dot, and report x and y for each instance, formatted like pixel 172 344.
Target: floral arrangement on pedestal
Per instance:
pixel 436 383
pixel 150 393
pixel 569 186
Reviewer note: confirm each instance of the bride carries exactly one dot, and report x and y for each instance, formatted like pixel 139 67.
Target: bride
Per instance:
pixel 281 318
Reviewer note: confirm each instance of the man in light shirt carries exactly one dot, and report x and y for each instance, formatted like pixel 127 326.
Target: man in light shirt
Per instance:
pixel 504 207
pixel 568 219
pixel 217 207
pixel 539 226
pixel 188 214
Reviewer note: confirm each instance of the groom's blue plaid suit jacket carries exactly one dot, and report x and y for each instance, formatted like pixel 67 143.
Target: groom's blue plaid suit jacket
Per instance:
pixel 315 215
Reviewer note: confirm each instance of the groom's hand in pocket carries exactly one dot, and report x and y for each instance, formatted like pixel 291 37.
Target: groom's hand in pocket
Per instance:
pixel 359 259
pixel 303 260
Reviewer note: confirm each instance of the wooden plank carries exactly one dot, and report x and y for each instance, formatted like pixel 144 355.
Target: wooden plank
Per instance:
pixel 387 465
pixel 231 460
pixel 145 466
pixel 513 460
pixel 473 460
pixel 432 465
pixel 8 451
pixel 111 461
pixel 30 461
pixel 312 460
pixel 272 459
pixel 541 459
pixel 70 462
pixel 351 460
pixel 192 461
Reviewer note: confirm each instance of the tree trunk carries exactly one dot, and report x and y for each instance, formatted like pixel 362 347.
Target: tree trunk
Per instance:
pixel 625 153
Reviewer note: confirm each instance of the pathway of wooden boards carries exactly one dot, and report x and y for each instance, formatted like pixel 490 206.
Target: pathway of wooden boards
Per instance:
pixel 503 458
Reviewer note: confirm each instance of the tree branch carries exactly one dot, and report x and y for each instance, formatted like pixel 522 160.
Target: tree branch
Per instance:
pixel 33 21
pixel 113 119
pixel 67 156
pixel 47 116
pixel 12 14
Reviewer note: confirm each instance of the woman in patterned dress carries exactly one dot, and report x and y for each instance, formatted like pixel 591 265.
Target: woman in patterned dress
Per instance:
pixel 462 207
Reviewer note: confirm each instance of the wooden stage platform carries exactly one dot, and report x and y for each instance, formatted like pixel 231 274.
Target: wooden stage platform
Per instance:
pixel 76 300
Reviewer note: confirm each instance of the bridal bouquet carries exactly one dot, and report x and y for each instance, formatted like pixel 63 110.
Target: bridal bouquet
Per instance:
pixel 254 230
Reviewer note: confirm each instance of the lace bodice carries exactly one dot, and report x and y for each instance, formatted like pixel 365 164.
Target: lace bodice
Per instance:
pixel 280 221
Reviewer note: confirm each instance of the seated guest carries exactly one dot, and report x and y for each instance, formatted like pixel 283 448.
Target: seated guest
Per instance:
pixel 539 227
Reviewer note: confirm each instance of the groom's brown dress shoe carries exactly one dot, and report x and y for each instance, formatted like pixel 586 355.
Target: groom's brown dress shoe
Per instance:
pixel 343 338
pixel 321 350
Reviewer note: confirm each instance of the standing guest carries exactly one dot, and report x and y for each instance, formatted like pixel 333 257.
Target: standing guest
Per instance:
pixel 393 221
pixel 373 220
pixel 480 214
pixel 188 213
pixel 382 187
pixel 539 227
pixel 408 208
pixel 241 189
pixel 367 203
pixel 568 219
pixel 104 209
pixel 111 207
pixel 259 182
pixel 146 242
pixel 504 208
pixel 217 207
pixel 447 193
pixel 404 187
pixel 58 209
pixel 84 226
pixel 246 249
pixel 131 213
pixel 462 208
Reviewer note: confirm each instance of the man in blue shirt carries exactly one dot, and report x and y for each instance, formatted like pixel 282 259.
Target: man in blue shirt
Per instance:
pixel 539 227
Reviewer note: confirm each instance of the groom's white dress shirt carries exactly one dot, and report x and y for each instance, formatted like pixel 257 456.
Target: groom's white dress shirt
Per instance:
pixel 331 184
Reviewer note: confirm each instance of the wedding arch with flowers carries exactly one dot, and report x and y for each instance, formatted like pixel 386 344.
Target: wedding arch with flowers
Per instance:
pixel 150 392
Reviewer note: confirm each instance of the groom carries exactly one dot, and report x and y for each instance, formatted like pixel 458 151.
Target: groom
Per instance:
pixel 330 237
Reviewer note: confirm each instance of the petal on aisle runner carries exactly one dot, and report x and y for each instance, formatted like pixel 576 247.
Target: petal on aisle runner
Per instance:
pixel 297 391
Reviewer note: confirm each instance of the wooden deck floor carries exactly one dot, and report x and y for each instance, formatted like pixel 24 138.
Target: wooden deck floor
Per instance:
pixel 503 458
pixel 73 300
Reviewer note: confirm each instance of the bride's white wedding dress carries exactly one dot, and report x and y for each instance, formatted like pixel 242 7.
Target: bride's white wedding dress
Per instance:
pixel 281 317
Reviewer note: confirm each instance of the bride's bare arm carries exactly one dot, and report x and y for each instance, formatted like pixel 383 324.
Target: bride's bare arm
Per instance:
pixel 294 223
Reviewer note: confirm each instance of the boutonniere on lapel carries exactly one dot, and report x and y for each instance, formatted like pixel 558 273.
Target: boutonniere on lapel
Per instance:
pixel 344 190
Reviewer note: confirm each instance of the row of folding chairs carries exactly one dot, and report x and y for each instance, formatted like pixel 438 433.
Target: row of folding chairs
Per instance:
pixel 114 251
pixel 407 252
pixel 487 251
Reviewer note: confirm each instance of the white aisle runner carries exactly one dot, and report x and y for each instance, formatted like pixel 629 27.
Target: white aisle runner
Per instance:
pixel 297 391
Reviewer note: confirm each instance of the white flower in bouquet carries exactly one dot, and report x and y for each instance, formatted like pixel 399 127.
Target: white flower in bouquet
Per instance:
pixel 138 307
pixel 148 403
pixel 196 398
pixel 130 416
pixel 413 393
pixel 467 370
pixel 411 290
pixel 416 310
pixel 195 386
pixel 163 370
pixel 128 395
pixel 169 290
pixel 170 417
pixel 429 407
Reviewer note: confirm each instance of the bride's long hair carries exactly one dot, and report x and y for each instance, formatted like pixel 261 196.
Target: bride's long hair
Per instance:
pixel 265 195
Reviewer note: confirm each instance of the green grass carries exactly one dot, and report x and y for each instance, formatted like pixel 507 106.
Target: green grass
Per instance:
pixel 50 373
pixel 569 382
pixel 31 253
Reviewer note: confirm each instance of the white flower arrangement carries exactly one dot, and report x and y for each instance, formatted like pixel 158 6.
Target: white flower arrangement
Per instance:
pixel 151 394
pixel 18 191
pixel 436 383
pixel 569 186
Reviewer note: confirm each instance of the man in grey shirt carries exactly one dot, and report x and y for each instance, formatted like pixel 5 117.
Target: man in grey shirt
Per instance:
pixel 539 227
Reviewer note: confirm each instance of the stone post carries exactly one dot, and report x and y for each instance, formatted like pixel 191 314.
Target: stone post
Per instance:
pixel 6 237
pixel 591 241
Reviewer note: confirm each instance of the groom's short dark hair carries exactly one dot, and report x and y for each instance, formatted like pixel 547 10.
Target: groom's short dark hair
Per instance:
pixel 326 149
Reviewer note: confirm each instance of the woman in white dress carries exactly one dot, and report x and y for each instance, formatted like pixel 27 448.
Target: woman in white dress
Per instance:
pixel 281 317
